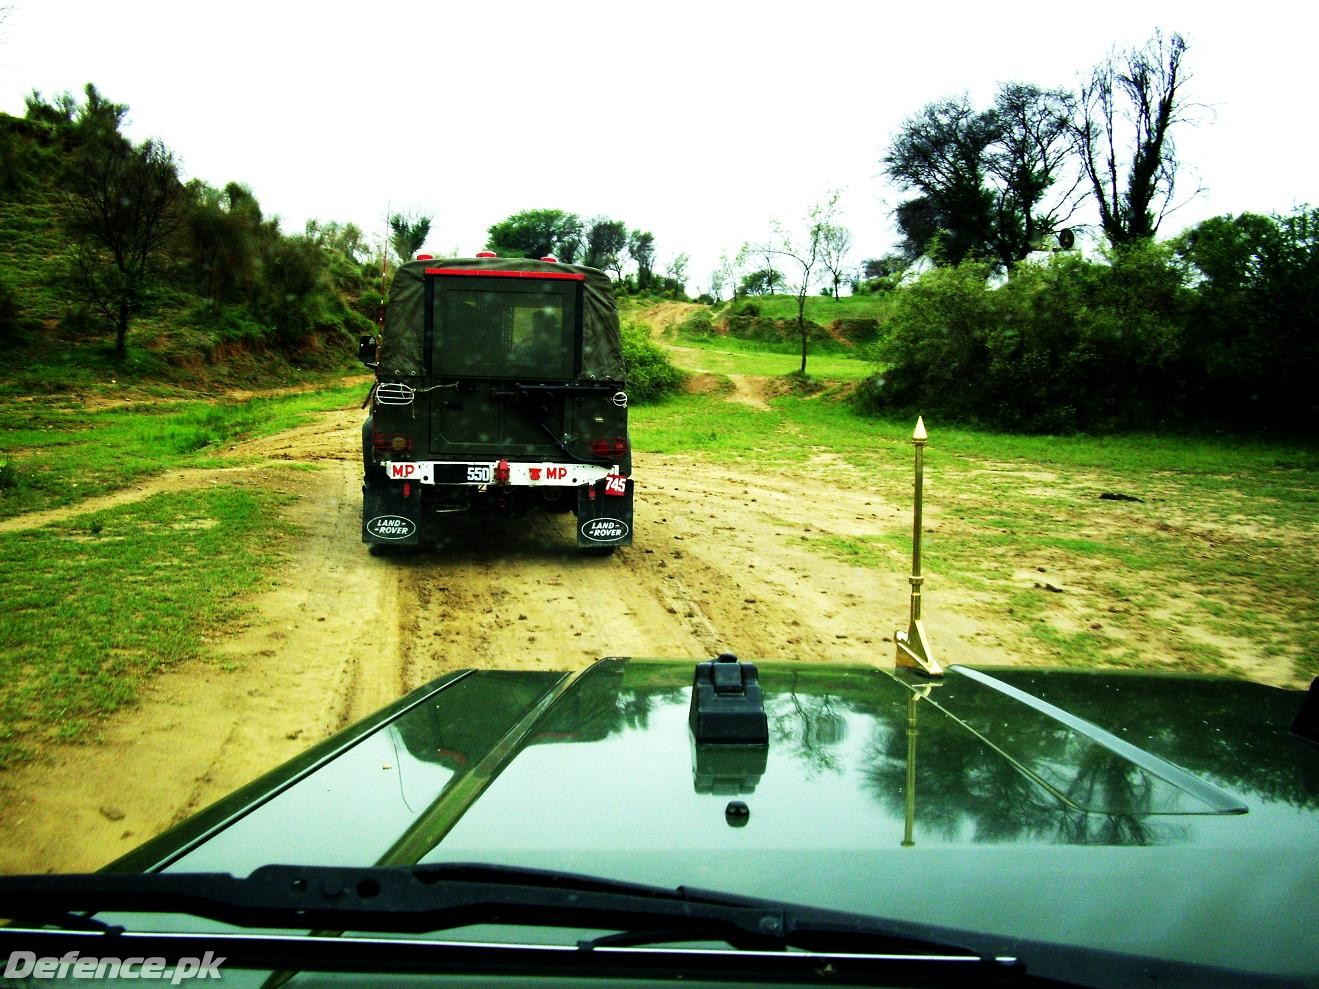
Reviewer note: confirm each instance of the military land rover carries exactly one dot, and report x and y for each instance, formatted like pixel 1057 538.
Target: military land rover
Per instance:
pixel 499 389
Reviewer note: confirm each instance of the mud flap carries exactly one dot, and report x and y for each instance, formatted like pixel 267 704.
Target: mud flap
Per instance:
pixel 389 517
pixel 604 519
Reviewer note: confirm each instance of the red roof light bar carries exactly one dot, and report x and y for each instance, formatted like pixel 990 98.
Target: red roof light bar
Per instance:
pixel 571 276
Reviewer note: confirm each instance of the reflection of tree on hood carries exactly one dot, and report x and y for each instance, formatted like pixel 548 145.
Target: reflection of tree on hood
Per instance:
pixel 1236 734
pixel 966 788
pixel 810 726
pixel 459 724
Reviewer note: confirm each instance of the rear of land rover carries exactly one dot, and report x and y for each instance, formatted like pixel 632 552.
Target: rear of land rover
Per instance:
pixel 500 390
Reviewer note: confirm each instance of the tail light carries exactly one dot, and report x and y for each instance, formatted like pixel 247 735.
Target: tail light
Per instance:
pixel 610 446
pixel 391 442
pixel 502 472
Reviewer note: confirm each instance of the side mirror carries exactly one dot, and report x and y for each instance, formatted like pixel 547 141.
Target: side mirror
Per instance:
pixel 366 350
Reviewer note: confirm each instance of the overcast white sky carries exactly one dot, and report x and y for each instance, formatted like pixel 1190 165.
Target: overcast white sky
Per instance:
pixel 698 121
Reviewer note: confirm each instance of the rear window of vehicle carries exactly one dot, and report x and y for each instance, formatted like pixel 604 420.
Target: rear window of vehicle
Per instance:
pixel 503 327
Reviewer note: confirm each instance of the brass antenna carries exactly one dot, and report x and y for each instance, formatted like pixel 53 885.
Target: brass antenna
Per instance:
pixel 913 647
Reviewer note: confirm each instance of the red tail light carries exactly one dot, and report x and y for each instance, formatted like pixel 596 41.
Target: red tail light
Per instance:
pixel 391 442
pixel 611 446
pixel 501 472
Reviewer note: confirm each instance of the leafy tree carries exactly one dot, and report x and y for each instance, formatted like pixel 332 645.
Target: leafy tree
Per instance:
pixel 1132 99
pixel 985 179
pixel 408 231
pixel 641 248
pixel 221 230
pixel 724 277
pixel 1251 341
pixel 122 206
pixel 675 274
pixel 1072 344
pixel 763 281
pixel 1033 151
pixel 606 240
pixel 537 233
pixel 345 239
pixel 941 153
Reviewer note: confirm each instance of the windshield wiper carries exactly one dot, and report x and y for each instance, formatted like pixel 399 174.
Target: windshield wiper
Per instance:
pixel 771 941
pixel 430 898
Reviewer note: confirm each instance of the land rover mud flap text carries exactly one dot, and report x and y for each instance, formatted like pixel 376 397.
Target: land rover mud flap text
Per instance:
pixel 604 519
pixel 390 516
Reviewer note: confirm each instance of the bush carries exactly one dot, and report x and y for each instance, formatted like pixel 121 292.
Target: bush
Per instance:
pixel 650 375
pixel 698 324
pixel 1060 347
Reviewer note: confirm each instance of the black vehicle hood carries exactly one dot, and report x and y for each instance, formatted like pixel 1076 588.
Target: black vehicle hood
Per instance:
pixel 1163 815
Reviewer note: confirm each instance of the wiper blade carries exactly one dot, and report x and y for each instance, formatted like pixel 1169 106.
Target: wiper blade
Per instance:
pixel 430 898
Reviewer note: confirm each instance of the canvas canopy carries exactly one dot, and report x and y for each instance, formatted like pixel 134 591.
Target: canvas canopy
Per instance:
pixel 403 340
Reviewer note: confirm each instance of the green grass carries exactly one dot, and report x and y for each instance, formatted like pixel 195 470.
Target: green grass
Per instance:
pixel 59 452
pixel 1220 544
pixel 95 606
pixel 729 355
pixel 820 309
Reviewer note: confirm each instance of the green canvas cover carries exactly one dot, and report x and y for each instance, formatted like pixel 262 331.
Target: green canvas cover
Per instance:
pixel 402 342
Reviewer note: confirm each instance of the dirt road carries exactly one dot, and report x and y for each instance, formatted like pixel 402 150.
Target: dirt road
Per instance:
pixel 720 563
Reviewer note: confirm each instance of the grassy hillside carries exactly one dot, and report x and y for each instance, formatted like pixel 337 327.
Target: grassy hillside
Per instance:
pixel 288 308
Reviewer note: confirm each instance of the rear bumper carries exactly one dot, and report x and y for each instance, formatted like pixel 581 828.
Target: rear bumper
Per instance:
pixel 395 513
pixel 478 473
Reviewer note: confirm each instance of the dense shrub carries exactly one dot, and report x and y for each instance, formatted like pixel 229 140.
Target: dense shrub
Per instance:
pixel 650 375
pixel 1251 343
pixel 1068 345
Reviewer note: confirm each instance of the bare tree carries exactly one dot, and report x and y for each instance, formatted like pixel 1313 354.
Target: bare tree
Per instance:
pixel 835 243
pixel 806 253
pixel 1124 119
